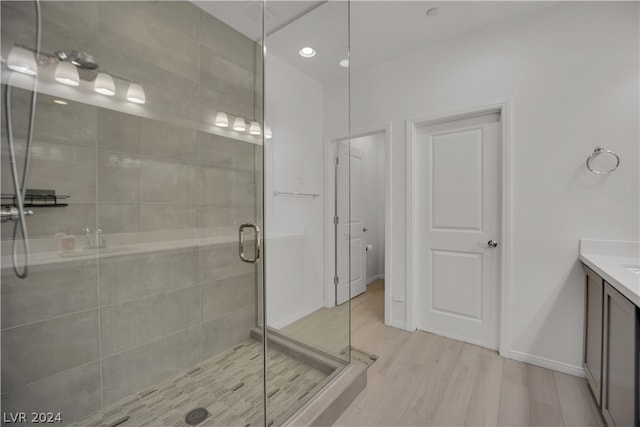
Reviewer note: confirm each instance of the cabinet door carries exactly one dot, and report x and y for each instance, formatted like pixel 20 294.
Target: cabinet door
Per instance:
pixel 593 332
pixel 618 399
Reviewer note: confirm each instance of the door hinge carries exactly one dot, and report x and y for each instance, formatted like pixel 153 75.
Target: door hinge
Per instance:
pixel 336 280
pixel 336 220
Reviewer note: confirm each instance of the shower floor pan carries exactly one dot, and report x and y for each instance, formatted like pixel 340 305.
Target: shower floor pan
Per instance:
pixel 229 386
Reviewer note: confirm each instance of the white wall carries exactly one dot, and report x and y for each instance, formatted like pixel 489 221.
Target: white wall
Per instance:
pixel 372 146
pixel 293 225
pixel 572 74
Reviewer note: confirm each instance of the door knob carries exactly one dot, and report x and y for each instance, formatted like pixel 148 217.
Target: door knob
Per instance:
pixel 492 243
pixel 365 229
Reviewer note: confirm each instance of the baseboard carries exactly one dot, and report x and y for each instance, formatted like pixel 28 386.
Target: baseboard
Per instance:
pixel 396 324
pixel 374 278
pixel 296 316
pixel 446 334
pixel 543 362
pixel 554 365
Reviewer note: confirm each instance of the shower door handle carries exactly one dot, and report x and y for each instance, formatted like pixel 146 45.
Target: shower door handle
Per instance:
pixel 257 243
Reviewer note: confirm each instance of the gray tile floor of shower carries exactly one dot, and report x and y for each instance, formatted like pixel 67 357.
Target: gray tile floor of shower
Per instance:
pixel 228 385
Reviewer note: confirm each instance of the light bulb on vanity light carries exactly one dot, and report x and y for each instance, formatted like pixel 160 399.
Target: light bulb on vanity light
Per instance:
pixel 254 128
pixel 22 61
pixel 136 94
pixel 239 124
pixel 67 74
pixel 267 132
pixel 222 120
pixel 104 84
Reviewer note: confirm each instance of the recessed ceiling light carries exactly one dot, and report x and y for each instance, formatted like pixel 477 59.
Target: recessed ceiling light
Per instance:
pixel 60 102
pixel 344 63
pixel 433 12
pixel 307 52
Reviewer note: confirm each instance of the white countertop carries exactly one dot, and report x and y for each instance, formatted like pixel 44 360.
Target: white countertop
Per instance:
pixel 617 262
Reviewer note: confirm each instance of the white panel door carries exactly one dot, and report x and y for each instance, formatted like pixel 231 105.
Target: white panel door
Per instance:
pixel 350 182
pixel 458 219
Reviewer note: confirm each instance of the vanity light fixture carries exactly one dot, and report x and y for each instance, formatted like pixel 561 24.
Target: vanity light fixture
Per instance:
pixel 254 128
pixel 307 52
pixel 104 84
pixel 60 102
pixel 136 94
pixel 222 120
pixel 267 132
pixel 67 74
pixel 239 124
pixel 22 61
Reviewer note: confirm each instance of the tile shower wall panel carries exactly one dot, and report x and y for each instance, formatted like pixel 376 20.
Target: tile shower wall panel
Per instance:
pixel 118 177
pixel 224 296
pixel 224 332
pixel 118 132
pixel 67 168
pixel 148 364
pixel 221 152
pixel 221 262
pixel 74 393
pixel 148 319
pixel 79 334
pixel 38 350
pixel 64 158
pixel 158 139
pixel 127 278
pixel 49 116
pixel 49 291
pixel 165 35
pixel 62 25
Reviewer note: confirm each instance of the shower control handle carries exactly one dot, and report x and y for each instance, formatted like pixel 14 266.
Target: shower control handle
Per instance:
pixel 257 243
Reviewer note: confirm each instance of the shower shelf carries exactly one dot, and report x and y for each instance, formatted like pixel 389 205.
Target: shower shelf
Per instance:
pixel 36 200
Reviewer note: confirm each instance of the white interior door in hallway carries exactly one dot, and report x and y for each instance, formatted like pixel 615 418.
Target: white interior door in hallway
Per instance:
pixel 457 224
pixel 350 228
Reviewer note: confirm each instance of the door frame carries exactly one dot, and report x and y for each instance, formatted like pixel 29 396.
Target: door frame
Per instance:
pixel 330 152
pixel 502 106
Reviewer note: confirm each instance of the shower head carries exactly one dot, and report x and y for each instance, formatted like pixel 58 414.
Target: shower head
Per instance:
pixel 81 60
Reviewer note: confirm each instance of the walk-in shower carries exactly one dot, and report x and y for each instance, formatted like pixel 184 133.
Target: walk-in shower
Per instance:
pixel 158 282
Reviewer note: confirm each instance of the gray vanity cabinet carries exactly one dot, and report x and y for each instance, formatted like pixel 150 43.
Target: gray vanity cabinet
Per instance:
pixel 619 359
pixel 593 333
pixel 611 351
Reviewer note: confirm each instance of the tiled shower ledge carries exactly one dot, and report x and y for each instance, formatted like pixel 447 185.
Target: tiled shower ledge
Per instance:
pixel 229 386
pixel 46 250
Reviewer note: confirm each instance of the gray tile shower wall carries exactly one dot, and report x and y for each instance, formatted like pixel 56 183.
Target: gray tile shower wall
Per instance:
pixel 79 335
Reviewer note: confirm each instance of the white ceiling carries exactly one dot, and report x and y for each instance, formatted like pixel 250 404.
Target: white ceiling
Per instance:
pixel 380 30
pixel 246 15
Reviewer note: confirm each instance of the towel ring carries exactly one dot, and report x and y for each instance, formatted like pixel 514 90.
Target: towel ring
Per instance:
pixel 596 152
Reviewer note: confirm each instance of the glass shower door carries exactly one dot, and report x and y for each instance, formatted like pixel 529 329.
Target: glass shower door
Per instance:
pixel 303 318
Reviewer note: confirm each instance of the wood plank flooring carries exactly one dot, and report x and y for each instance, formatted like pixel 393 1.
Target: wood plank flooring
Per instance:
pixel 326 329
pixel 421 379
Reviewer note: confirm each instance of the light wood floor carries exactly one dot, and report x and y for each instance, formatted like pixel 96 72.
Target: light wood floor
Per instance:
pixel 421 379
pixel 326 329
